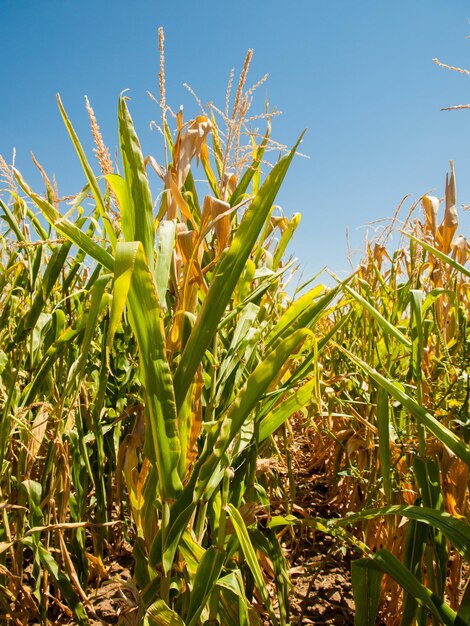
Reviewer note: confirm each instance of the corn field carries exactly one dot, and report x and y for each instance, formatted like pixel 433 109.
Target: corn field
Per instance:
pixel 157 366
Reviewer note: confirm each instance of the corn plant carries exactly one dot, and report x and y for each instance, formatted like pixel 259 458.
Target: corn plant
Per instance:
pixel 395 398
pixel 153 354
pixel 54 441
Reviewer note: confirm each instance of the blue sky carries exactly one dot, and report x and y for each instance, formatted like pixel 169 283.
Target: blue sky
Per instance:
pixel 358 75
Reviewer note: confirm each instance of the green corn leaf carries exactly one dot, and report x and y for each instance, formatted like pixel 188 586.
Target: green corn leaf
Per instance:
pixel 92 181
pixel 218 443
pixel 416 535
pixel 285 239
pixel 163 444
pixel 268 543
pixel 97 304
pixel 251 558
pixel 142 573
pixel 52 354
pixel 417 297
pixel 11 221
pixel 138 191
pixel 456 530
pixel 34 492
pixel 42 234
pixel 302 313
pixel 293 312
pixel 295 401
pixel 51 274
pixel 190 193
pixel 121 192
pixel 74 274
pixel 253 390
pixel 234 611
pixel 36 265
pixel 226 277
pixel 191 552
pixel 303 370
pixel 428 475
pixel 366 590
pixel 256 294
pixel 244 339
pixel 464 609
pixel 232 583
pixel 440 431
pixel 383 426
pixel 66 228
pixel 124 265
pixel 433 295
pixel 440 255
pixel 385 562
pixel 379 318
pixel 204 582
pixel 159 614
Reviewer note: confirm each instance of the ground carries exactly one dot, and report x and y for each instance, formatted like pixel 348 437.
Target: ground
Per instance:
pixel 319 566
pixel 321 590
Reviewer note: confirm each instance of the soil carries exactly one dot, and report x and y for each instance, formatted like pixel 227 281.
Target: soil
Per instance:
pixel 321 586
pixel 321 590
pixel 319 567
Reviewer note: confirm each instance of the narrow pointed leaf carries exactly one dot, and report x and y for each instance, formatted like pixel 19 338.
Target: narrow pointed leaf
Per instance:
pixel 440 255
pixel 446 436
pixel 120 190
pixel 205 580
pixel 251 558
pixel 295 401
pixel 456 530
pixel 380 319
pixel 95 189
pixel 66 228
pixel 226 277
pixel 464 609
pixel 160 614
pixel 12 222
pixel 256 385
pixel 96 307
pixel 366 590
pixel 293 312
pixel 302 315
pixel 383 426
pixel 138 191
pixel 416 535
pixel 51 274
pixel 147 323
pixel 386 562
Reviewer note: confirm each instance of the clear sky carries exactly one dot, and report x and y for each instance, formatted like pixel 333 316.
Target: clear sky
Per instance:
pixel 358 75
